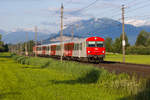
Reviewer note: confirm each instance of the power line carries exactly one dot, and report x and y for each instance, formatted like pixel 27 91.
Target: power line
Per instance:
pixel 143 16
pixel 133 3
pixel 140 7
pixel 116 11
pixel 87 6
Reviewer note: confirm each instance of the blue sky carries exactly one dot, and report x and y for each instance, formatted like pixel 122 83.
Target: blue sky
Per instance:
pixel 25 14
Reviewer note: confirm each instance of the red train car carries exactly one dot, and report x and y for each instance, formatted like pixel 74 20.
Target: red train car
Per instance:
pixel 91 49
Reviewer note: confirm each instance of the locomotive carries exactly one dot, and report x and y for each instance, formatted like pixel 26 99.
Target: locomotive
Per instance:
pixel 89 49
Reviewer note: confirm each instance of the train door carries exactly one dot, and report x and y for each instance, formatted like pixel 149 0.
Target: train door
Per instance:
pixel 83 49
pixel 53 50
pixel 43 50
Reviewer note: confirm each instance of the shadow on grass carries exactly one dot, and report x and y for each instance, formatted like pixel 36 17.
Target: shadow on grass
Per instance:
pixel 143 95
pixel 41 67
pixel 3 95
pixel 5 56
pixel 91 77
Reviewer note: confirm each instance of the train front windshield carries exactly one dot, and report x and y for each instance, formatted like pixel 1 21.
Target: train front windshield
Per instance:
pixel 95 44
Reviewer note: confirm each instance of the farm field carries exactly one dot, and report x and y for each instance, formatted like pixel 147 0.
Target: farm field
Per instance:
pixel 23 78
pixel 137 59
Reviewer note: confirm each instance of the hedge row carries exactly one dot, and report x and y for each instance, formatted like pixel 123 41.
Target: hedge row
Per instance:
pixel 138 50
pixel 21 59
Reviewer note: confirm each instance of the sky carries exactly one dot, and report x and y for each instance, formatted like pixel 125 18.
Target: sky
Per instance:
pixel 45 14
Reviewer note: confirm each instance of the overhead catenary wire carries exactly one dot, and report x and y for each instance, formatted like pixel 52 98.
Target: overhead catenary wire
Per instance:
pixel 116 14
pixel 91 4
pixel 133 3
pixel 139 7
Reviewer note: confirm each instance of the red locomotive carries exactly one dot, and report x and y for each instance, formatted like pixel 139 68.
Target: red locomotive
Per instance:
pixel 91 49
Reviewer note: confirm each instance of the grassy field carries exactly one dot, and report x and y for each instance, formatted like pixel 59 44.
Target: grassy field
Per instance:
pixel 23 78
pixel 137 59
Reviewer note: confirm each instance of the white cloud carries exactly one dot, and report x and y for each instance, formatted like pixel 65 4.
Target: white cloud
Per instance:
pixel 70 15
pixel 31 29
pixel 23 29
pixel 72 19
pixel 136 22
pixel 72 11
pixel 71 1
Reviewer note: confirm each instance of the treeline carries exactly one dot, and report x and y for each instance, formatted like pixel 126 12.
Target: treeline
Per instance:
pixel 3 47
pixel 141 46
pixel 22 48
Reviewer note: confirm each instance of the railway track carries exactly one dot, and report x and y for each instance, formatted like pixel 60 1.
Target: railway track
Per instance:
pixel 140 70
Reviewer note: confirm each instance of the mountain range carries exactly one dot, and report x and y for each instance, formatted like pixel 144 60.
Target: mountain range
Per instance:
pixel 102 27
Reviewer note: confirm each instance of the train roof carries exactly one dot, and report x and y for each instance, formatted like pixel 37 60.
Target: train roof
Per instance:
pixel 75 41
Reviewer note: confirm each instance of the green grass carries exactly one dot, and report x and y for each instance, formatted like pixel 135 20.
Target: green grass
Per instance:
pixel 23 78
pixel 137 59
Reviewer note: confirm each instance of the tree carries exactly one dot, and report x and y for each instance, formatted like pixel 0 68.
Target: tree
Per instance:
pixel 6 47
pixel 0 37
pixel 0 40
pixel 142 38
pixel 117 45
pixel 1 45
pixel 3 48
pixel 148 42
pixel 108 44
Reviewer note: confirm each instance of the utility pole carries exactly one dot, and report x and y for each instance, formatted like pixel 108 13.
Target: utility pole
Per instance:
pixel 26 45
pixel 123 35
pixel 20 48
pixel 72 33
pixel 61 33
pixel 35 39
pixel 41 42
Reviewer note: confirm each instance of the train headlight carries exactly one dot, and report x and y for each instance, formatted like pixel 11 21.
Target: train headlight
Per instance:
pixel 103 51
pixel 89 51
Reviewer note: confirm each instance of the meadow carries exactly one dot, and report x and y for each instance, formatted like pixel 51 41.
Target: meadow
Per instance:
pixel 35 78
pixel 137 59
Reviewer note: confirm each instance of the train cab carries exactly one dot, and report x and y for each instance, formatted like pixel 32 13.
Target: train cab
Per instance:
pixel 95 48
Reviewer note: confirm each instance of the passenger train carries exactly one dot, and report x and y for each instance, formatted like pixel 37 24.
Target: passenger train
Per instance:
pixel 88 49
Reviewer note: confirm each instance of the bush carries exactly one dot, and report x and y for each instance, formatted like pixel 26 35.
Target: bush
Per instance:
pixel 138 50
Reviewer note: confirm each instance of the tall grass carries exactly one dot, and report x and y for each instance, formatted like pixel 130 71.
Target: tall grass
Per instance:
pixel 35 78
pixel 82 73
pixel 137 59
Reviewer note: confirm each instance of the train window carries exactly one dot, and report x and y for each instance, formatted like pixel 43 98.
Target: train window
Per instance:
pixel 76 46
pixel 91 44
pixel 39 48
pixel 95 44
pixel 44 48
pixel 99 44
pixel 47 48
pixel 66 47
pixel 70 46
pixel 58 48
pixel 80 46
pixel 53 48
